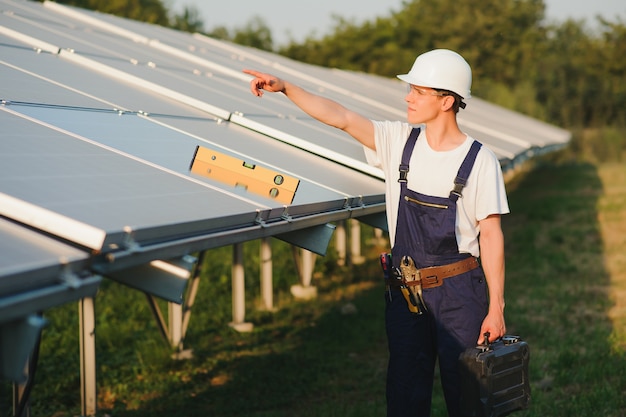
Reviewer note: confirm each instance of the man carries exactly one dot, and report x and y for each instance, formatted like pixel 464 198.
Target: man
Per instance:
pixel 444 195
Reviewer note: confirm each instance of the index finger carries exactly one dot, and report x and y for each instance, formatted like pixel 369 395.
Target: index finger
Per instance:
pixel 253 72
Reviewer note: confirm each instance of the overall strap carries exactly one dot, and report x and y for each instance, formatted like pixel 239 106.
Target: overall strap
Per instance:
pixel 464 171
pixel 406 155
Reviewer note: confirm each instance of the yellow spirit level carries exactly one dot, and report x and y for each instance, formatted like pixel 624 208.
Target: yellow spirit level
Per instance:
pixel 241 174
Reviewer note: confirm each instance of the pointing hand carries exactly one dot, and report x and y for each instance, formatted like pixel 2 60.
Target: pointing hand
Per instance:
pixel 262 81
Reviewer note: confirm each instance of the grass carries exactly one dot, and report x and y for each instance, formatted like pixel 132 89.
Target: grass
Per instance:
pixel 563 258
pixel 566 295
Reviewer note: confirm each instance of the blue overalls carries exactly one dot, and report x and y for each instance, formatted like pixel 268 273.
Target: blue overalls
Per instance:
pixel 426 231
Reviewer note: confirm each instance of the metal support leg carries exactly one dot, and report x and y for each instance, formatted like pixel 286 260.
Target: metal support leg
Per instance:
pixel 355 243
pixel 238 290
pixel 19 354
pixel 21 402
pixel 305 262
pixel 379 238
pixel 192 291
pixel 87 322
pixel 175 316
pixel 267 291
pixel 18 400
pixel 173 275
pixel 340 240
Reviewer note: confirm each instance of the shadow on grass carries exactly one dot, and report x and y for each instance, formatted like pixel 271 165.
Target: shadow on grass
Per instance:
pixel 317 363
pixel 558 292
pixel 307 359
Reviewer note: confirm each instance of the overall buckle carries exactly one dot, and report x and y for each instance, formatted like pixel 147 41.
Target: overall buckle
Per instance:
pixel 404 172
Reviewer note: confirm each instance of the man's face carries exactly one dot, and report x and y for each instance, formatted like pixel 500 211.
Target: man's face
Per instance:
pixel 424 104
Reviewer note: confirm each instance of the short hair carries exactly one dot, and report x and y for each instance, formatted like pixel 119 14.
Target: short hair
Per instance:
pixel 458 100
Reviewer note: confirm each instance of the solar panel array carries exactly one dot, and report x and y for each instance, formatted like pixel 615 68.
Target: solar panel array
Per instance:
pixel 101 117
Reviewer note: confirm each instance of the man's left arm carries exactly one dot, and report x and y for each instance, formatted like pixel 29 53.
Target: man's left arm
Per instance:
pixel 492 260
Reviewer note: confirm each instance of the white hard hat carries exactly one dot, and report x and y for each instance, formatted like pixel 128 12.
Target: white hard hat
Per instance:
pixel 441 69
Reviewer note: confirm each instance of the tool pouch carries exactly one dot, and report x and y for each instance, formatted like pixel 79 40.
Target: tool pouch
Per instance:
pixel 393 277
pixel 410 300
pixel 412 280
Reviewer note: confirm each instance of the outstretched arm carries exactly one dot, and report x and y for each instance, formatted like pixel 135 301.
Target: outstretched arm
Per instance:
pixel 325 110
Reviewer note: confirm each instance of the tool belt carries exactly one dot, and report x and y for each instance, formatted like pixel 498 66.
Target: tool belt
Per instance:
pixel 433 276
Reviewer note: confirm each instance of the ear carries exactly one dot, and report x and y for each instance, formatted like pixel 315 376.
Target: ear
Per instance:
pixel 447 102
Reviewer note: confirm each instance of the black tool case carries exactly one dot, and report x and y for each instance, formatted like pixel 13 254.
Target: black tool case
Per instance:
pixel 495 378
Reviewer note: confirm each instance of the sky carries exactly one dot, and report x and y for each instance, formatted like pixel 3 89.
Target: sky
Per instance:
pixel 296 19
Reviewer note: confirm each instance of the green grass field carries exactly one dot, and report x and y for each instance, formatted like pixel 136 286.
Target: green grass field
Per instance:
pixel 566 296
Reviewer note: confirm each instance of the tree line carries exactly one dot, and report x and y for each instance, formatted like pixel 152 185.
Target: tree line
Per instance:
pixel 565 73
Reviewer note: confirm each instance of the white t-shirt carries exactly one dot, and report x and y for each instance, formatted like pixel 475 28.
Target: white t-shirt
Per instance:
pixel 433 173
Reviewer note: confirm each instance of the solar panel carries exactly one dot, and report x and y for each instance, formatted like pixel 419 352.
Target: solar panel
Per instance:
pixel 37 272
pixel 31 261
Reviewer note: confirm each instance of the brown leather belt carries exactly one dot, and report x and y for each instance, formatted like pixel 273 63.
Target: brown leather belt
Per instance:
pixel 433 276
